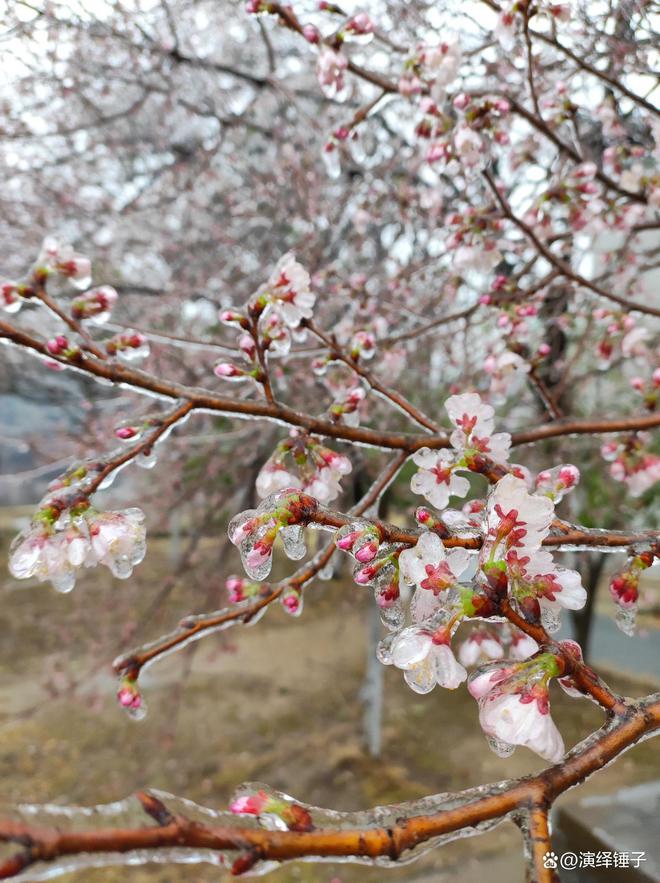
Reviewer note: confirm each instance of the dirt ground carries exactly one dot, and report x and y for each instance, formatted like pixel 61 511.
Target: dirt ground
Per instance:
pixel 277 702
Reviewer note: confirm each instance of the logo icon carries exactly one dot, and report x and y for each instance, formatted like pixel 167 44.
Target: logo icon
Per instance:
pixel 550 860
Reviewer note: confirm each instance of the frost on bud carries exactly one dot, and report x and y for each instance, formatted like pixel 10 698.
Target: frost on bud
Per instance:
pixel 363 346
pixel 292 602
pixel 360 539
pixel 66 534
pixel 624 589
pixel 358 29
pixel 275 811
pixel 240 589
pixel 556 483
pixel 233 317
pixel 130 698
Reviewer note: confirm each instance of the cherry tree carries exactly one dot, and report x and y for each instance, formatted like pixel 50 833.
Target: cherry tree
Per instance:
pixel 419 246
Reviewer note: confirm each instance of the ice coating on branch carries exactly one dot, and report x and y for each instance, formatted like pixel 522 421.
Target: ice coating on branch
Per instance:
pixel 67 535
pixel 473 446
pixel 254 531
pixel 514 707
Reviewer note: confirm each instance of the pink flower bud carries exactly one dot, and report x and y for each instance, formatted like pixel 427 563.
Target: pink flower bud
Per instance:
pixel 126 432
pixel 637 383
pixel 311 34
pixel 544 350
pixel 57 345
pixel 461 101
pixel 226 369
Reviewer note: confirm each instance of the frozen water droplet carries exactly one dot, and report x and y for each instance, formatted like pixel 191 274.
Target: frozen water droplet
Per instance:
pixel 146 460
pixel 64 581
pixel 137 714
pixel 327 572
pixel 392 617
pixel 626 619
pixel 293 540
pixel 384 649
pixel 501 749
pixel 550 619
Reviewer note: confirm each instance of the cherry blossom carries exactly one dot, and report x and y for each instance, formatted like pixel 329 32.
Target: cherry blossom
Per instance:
pixel 62 260
pixel 539 587
pixel 514 706
pixel 94 305
pixel 330 70
pixel 428 566
pixel 481 645
pixel 515 518
pixel 288 291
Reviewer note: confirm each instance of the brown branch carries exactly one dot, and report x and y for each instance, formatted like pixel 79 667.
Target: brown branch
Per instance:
pixel 557 262
pixel 398 400
pixel 197 627
pixel 88 343
pixel 538 843
pixel 47 844
pixel 205 400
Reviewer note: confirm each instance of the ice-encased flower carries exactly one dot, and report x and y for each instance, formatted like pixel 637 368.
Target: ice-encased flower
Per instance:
pixel 115 539
pixel 481 645
pixel 425 662
pixel 428 565
pixel 514 707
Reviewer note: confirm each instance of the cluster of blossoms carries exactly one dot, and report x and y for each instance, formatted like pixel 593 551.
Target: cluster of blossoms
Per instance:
pixel 511 17
pixel 632 462
pixel 511 558
pixel 273 313
pixel 574 198
pixel 67 534
pixel 474 446
pixel 621 335
pixel 430 69
pixel 301 461
pixel 473 242
pixel 55 261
